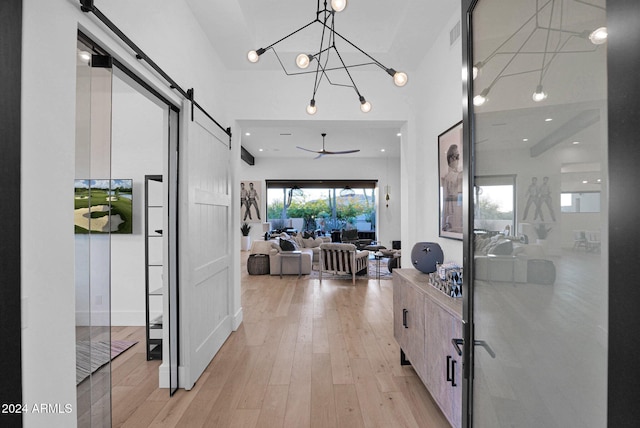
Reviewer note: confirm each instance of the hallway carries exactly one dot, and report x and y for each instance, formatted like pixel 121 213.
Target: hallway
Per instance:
pixel 306 355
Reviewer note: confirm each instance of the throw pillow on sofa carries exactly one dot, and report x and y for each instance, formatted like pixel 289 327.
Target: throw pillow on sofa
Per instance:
pixel 288 245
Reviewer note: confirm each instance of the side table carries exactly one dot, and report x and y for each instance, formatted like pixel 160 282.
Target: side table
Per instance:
pixel 288 254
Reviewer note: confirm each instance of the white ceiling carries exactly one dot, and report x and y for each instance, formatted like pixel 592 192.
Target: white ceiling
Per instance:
pixel 398 34
pixel 391 32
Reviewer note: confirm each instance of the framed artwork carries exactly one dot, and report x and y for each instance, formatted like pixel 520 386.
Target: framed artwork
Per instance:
pixel 103 206
pixel 250 200
pixel 451 174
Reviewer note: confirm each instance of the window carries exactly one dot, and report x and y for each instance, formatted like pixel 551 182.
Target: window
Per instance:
pixel 495 201
pixel 321 205
pixel 585 202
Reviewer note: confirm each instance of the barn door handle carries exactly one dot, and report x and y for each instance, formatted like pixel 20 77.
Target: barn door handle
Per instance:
pixel 404 318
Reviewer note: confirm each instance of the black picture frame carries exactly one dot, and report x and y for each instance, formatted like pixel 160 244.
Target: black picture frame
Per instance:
pixel 450 173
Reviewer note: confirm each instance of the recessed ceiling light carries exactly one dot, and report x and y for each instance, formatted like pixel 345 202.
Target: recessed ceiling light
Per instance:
pixel 575 143
pixel 382 150
pixel 525 139
pixel 548 119
pixel 247 134
pixel 599 180
pixel 399 134
pixel 261 150
pixel 584 181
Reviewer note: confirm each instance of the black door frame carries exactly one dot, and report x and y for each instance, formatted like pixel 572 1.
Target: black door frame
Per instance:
pixel 623 62
pixel 10 262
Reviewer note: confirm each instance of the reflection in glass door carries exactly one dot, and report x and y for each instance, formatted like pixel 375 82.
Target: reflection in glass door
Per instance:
pixel 92 223
pixel 539 301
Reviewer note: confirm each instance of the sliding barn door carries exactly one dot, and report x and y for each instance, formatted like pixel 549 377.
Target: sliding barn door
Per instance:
pixel 205 260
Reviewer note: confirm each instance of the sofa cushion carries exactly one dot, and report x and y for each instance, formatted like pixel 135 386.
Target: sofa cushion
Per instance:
pixel 501 248
pixel 263 247
pixel 312 243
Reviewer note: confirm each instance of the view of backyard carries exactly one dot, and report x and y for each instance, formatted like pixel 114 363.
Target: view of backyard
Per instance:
pixel 314 209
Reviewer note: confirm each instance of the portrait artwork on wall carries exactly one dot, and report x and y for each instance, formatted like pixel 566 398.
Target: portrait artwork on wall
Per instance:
pixel 451 175
pixel 250 200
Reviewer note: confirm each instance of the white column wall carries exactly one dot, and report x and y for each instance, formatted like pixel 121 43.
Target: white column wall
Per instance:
pixel 437 107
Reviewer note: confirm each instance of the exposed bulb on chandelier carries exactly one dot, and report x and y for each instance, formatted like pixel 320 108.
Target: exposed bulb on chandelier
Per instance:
pixel 338 5
pixel 303 60
pixel 311 108
pixel 480 99
pixel 400 78
pixel 365 106
pixel 599 36
pixel 539 94
pixel 253 56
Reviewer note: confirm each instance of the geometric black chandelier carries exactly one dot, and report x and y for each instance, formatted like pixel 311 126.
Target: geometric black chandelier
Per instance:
pixel 325 17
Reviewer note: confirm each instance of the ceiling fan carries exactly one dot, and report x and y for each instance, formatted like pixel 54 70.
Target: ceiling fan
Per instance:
pixel 327 152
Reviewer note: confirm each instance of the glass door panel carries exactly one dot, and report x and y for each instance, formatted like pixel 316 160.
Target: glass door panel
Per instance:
pixel 92 227
pixel 540 301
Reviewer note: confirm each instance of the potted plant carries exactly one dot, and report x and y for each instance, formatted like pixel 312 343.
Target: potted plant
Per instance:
pixel 542 231
pixel 245 241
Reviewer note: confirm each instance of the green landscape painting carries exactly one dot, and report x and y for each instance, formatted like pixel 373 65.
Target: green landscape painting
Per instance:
pixel 103 206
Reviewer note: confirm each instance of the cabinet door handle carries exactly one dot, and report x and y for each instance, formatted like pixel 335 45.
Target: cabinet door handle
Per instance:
pixel 449 378
pixel 453 373
pixel 456 344
pixel 404 318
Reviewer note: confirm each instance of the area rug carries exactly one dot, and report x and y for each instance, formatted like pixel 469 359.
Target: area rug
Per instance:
pixel 373 269
pixel 90 356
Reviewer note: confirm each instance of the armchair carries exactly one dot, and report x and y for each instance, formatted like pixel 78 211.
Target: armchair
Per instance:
pixel 343 258
pixel 350 236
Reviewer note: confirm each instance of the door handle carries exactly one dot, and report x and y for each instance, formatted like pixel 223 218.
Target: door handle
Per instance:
pixel 449 378
pixel 404 318
pixel 486 347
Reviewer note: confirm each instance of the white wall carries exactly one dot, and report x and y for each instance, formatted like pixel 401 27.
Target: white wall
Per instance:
pixel 328 168
pixel 138 141
pixel 50 28
pixel 437 107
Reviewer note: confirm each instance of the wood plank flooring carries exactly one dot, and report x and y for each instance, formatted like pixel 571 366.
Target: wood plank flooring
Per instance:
pixel 306 355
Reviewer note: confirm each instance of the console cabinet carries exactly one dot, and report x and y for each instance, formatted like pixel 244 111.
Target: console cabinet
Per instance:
pixel 424 322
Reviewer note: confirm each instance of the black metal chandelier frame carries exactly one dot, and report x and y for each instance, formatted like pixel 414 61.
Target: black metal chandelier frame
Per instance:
pixel 326 18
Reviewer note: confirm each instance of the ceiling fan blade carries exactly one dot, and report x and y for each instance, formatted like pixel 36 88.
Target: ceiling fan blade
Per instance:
pixel 307 150
pixel 319 156
pixel 342 152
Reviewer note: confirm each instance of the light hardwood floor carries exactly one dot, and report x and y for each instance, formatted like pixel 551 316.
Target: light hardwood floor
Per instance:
pixel 306 355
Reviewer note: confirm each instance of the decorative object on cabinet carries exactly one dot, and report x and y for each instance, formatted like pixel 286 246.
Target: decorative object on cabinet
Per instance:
pixel 153 223
pixel 451 174
pixel 426 255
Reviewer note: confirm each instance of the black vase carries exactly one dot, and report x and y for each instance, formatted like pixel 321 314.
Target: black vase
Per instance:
pixel 425 256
